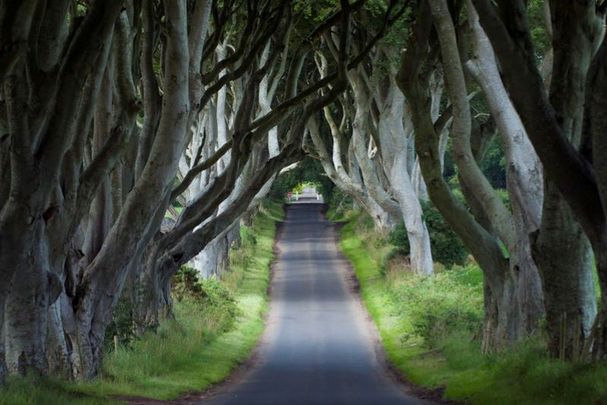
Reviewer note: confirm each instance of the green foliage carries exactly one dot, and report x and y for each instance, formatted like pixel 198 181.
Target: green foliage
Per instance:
pixel 429 327
pixel 34 390
pixel 447 248
pixel 539 35
pixel 447 245
pixel 247 235
pixel 494 164
pixel 301 186
pixel 121 325
pixel 339 204
pixel 435 304
pixel 317 10
pixel 309 170
pixel 211 295
pixel 398 238
pixel 217 298
pixel 371 17
pixel 187 284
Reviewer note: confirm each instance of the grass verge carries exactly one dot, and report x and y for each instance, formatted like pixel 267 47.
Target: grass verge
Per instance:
pixel 430 326
pixel 196 350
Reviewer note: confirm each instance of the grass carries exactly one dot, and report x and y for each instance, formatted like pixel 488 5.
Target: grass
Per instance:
pixel 33 390
pixel 430 329
pixel 188 354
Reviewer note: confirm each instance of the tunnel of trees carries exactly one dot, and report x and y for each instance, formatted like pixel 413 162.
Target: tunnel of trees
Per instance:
pixel 135 135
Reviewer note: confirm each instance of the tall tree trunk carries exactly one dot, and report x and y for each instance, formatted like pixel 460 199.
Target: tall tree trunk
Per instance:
pixel 524 178
pixel 102 282
pixel 350 182
pixel 26 309
pixel 360 139
pixel 394 143
pixel 414 79
pixel 212 261
pixel 554 123
pixel 563 254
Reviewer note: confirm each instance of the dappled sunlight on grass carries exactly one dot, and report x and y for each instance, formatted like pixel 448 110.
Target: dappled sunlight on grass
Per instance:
pixel 188 354
pixel 430 329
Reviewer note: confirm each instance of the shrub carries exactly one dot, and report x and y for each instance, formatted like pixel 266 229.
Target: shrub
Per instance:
pixel 221 301
pixel 398 238
pixel 187 284
pixel 247 236
pixel 435 305
pixel 122 323
pixel 211 295
pixel 446 246
pixel 340 204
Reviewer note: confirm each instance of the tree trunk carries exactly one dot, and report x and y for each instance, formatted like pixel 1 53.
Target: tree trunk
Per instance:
pixel 563 254
pixel 394 144
pixel 368 167
pixel 153 298
pixel 350 182
pixel 524 178
pixel 213 259
pixel 26 311
pixel 414 79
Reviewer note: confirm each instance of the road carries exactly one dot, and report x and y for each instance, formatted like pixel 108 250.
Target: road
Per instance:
pixel 318 347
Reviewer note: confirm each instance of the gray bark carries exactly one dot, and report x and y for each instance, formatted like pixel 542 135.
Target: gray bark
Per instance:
pixel 394 143
pixel 553 120
pixel 104 278
pixel 348 181
pixel 414 78
pixel 524 178
pixel 38 148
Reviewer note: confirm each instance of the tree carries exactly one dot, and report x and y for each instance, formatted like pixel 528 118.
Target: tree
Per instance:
pixel 123 119
pixel 559 120
pixel 513 304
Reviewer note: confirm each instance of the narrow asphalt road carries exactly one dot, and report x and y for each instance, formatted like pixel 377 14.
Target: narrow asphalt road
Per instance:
pixel 318 347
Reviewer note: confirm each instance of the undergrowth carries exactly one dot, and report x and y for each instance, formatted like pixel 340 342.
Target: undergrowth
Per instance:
pixel 430 328
pixel 217 324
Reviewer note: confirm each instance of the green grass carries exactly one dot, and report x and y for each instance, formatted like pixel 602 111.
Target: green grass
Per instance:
pixel 430 330
pixel 37 391
pixel 188 354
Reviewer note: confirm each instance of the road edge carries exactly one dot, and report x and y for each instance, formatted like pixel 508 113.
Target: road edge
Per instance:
pixel 391 372
pixel 241 370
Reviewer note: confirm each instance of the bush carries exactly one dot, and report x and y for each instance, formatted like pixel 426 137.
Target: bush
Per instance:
pixel 447 248
pixel 339 203
pixel 220 300
pixel 186 284
pixel 121 326
pixel 398 238
pixel 436 307
pixel 211 295
pixel 247 236
pixel 430 328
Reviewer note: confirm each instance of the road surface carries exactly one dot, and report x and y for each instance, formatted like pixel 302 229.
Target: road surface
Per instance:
pixel 318 347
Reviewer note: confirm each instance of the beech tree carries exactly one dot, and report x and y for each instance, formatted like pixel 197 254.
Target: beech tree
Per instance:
pixel 383 175
pixel 563 126
pixel 537 236
pixel 134 136
pixel 513 295
pixel 112 112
